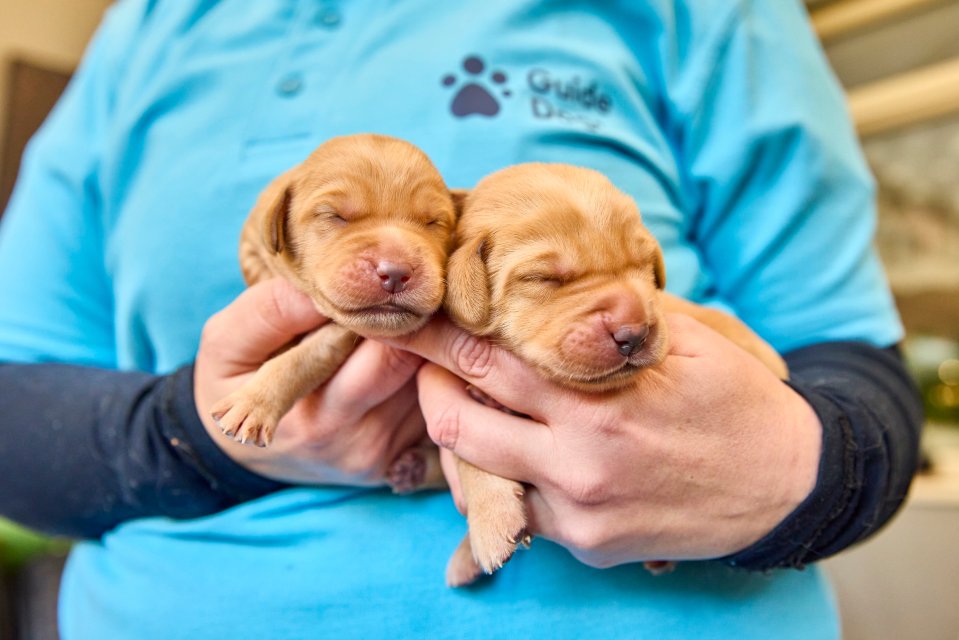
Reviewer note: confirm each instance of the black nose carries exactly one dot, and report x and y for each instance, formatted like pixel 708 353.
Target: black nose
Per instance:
pixel 630 338
pixel 393 276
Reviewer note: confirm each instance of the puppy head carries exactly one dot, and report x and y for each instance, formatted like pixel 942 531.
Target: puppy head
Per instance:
pixel 553 262
pixel 363 226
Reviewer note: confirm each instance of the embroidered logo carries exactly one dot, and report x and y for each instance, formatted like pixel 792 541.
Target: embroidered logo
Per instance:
pixel 568 98
pixel 476 96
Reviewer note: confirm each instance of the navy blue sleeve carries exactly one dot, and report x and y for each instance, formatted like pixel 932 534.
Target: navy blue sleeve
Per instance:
pixel 85 449
pixel 871 415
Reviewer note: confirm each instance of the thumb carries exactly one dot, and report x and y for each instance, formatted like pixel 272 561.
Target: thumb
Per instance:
pixel 260 321
pixel 507 445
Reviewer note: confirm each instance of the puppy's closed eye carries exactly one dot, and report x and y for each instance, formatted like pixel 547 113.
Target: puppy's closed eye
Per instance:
pixel 330 213
pixel 553 280
pixel 338 227
pixel 574 286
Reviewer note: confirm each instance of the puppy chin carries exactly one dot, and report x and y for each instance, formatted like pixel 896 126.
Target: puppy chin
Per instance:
pixel 381 321
pixel 385 318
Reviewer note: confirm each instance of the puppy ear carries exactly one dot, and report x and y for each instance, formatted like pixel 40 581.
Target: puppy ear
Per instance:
pixel 659 269
pixel 273 208
pixel 459 198
pixel 467 299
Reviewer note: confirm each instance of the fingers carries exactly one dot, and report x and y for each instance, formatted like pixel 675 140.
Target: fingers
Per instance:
pixel 506 445
pixel 359 447
pixel 259 322
pixel 540 516
pixel 448 461
pixel 494 370
pixel 373 373
pixel 409 433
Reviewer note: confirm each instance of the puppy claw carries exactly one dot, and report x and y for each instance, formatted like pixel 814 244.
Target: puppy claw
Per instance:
pixel 496 529
pixel 525 541
pixel 244 419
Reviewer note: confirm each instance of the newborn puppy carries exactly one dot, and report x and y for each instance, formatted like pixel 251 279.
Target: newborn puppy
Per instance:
pixel 553 263
pixel 364 227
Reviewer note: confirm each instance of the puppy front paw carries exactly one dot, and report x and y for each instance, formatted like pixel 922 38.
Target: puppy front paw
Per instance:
pixel 246 418
pixel 497 526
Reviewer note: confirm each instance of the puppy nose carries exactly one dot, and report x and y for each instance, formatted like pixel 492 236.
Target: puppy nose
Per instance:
pixel 393 276
pixel 630 338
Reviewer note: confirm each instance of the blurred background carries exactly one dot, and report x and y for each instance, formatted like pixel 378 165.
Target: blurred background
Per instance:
pixel 899 63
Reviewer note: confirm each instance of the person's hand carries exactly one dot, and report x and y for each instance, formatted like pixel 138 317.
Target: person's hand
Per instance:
pixel 703 456
pixel 346 432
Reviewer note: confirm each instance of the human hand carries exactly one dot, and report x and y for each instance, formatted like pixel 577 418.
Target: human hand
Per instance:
pixel 346 432
pixel 702 456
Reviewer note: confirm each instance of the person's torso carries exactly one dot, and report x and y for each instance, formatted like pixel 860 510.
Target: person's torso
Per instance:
pixel 219 98
pixel 215 102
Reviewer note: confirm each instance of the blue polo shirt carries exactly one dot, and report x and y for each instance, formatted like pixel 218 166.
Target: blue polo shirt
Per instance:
pixel 720 118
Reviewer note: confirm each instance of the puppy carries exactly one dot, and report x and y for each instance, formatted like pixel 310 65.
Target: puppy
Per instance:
pixel 364 227
pixel 553 263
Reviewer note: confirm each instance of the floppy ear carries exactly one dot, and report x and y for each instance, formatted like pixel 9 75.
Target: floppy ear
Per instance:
pixel 467 299
pixel 659 269
pixel 273 208
pixel 459 198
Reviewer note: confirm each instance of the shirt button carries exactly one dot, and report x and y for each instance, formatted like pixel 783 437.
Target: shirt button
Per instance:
pixel 329 18
pixel 290 85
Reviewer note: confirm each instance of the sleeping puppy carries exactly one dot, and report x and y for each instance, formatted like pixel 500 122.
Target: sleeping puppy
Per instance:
pixel 364 227
pixel 553 263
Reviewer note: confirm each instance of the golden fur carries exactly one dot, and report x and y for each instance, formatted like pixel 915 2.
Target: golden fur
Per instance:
pixel 364 227
pixel 554 263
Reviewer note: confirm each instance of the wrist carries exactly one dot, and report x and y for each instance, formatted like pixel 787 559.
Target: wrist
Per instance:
pixel 804 452
pixel 790 542
pixel 786 472
pixel 202 444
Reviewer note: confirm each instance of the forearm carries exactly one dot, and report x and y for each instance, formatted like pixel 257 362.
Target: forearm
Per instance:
pixel 872 418
pixel 85 449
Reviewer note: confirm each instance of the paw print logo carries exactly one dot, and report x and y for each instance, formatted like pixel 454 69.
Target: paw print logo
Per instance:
pixel 476 96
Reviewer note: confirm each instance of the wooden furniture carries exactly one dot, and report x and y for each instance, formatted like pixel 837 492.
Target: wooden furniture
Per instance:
pixel 27 596
pixel 32 90
pixel 845 17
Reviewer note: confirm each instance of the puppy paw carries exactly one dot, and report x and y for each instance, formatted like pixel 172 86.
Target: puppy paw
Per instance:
pixel 417 469
pixel 462 569
pixel 407 472
pixel 497 526
pixel 659 567
pixel 245 418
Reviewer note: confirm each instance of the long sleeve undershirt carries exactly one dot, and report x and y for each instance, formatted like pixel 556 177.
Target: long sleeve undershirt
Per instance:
pixel 82 450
